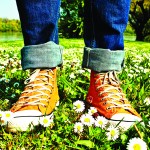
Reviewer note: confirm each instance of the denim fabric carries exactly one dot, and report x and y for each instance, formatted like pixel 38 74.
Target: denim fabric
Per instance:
pixel 39 20
pixel 104 25
pixel 47 55
pixel 102 60
pixel 105 22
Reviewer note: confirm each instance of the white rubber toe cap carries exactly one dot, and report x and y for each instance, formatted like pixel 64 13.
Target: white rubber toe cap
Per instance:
pixel 24 120
pixel 125 121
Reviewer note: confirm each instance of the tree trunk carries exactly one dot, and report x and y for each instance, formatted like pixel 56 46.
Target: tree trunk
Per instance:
pixel 139 35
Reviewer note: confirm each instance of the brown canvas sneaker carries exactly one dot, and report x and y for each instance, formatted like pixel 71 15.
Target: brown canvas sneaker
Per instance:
pixel 38 99
pixel 106 96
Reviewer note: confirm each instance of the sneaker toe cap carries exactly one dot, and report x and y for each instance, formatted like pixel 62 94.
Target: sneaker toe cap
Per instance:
pixel 125 121
pixel 24 120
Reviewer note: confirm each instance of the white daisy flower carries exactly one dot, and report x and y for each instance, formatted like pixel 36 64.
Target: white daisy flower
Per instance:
pixel 5 117
pixel 78 106
pixel 81 71
pixel 46 121
pixel 136 144
pixel 147 101
pixel 1 113
pixel 92 110
pixel 72 76
pixel 2 122
pixel 113 133
pixel 101 122
pixel 87 119
pixel 78 127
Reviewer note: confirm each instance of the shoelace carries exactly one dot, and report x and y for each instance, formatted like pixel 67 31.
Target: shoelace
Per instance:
pixel 26 100
pixel 117 99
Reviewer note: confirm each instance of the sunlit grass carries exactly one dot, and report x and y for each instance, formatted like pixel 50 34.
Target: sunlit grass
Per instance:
pixel 73 83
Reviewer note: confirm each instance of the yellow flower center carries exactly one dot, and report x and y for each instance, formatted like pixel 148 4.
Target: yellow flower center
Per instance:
pixel 78 106
pixel 45 121
pixel 7 115
pixel 86 120
pixel 136 147
pixel 0 115
pixel 93 111
pixel 79 128
pixel 100 122
pixel 112 132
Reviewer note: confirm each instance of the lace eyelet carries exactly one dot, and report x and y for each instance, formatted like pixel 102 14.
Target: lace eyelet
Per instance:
pixel 104 103
pixel 101 99
pixel 108 108
pixel 96 89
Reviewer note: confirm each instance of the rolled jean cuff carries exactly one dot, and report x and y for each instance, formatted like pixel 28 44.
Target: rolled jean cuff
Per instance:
pixel 47 55
pixel 102 60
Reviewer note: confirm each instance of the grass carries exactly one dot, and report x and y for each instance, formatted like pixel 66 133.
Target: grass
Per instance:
pixel 73 83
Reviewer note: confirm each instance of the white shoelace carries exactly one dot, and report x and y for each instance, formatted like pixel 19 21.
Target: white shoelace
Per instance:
pixel 36 99
pixel 110 82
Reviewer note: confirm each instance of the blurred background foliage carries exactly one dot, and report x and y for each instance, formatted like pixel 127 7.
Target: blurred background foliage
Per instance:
pixel 71 20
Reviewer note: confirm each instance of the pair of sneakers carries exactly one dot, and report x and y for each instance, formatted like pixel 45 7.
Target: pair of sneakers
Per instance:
pixel 40 98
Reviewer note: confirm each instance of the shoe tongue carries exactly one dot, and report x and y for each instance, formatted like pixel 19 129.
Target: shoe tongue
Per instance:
pixel 110 78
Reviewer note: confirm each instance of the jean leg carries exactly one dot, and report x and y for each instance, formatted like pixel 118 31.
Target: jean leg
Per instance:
pixel 39 19
pixel 104 25
pixel 105 22
pixel 39 22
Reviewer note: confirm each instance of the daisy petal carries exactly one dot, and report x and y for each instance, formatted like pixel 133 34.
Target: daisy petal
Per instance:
pixel 46 121
pixel 92 110
pixel 78 127
pixel 101 122
pixel 78 106
pixel 136 144
pixel 113 133
pixel 87 119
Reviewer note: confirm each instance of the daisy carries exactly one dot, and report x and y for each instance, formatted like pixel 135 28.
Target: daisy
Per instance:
pixel 46 121
pixel 7 80
pixel 78 127
pixel 113 133
pixel 87 119
pixel 136 144
pixel 81 71
pixel 78 106
pixel 2 122
pixel 5 117
pixel 72 76
pixel 101 122
pixel 147 101
pixel 92 110
pixel 1 113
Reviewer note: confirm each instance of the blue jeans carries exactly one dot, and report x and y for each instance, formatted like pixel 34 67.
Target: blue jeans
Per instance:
pixel 104 25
